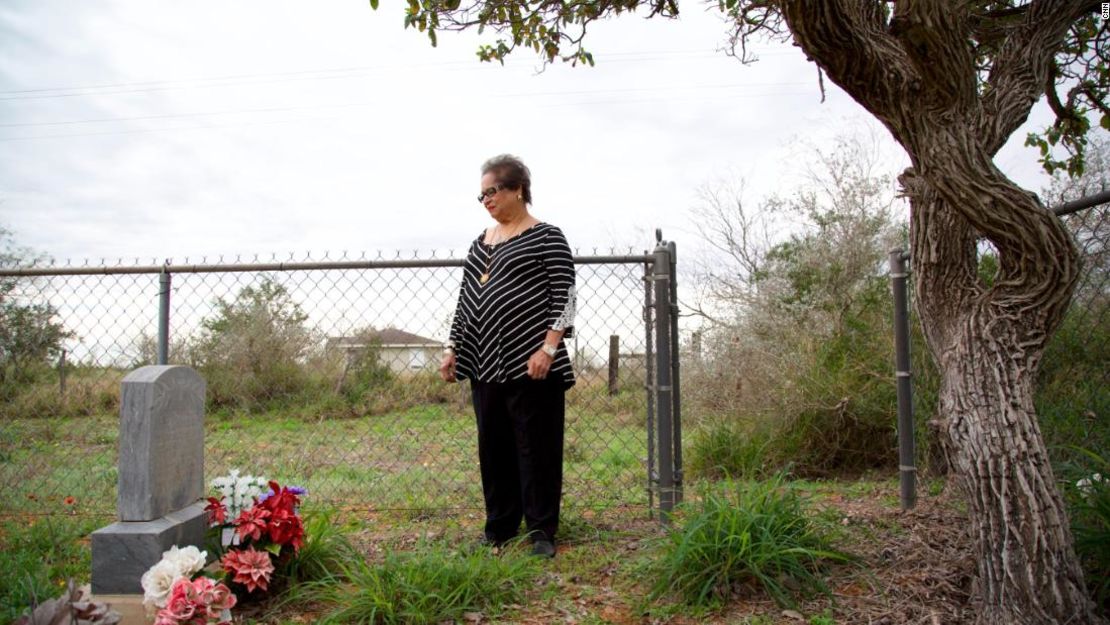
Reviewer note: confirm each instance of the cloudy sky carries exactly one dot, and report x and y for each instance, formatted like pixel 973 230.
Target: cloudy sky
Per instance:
pixel 160 130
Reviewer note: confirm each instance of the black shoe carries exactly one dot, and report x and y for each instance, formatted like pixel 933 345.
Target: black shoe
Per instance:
pixel 543 548
pixel 493 543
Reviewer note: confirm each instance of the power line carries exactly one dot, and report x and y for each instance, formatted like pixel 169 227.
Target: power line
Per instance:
pixel 284 109
pixel 583 103
pixel 235 80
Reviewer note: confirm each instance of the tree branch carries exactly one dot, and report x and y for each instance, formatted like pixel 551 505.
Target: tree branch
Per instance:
pixel 848 39
pixel 1021 70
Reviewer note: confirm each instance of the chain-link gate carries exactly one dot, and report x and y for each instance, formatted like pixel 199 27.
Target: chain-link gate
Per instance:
pixel 322 373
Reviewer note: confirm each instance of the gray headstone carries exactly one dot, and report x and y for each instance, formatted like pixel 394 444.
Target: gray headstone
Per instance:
pixel 161 441
pixel 123 551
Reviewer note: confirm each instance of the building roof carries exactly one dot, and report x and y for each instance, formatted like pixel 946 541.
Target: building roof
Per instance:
pixel 386 336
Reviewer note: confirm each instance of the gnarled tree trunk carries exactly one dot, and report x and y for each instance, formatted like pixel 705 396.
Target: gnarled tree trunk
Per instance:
pixel 915 71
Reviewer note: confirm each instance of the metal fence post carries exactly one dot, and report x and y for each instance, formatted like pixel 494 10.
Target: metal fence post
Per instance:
pixel 663 371
pixel 907 468
pixel 164 317
pixel 649 386
pixel 676 404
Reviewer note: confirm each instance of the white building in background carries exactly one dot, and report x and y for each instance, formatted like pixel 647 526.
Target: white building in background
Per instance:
pixel 401 351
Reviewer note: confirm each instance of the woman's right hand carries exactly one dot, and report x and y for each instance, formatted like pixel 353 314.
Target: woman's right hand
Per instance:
pixel 447 367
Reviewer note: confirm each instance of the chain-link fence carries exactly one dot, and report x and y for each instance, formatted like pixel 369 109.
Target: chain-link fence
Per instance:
pixel 1075 369
pixel 320 373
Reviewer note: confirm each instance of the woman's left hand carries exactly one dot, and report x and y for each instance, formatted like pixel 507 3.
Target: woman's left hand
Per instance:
pixel 539 364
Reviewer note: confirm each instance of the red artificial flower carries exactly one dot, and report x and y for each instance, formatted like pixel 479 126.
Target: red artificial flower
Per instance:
pixel 281 498
pixel 252 522
pixel 286 528
pixel 249 567
pixel 217 511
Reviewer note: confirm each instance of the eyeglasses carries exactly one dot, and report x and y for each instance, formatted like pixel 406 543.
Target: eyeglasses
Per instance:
pixel 490 192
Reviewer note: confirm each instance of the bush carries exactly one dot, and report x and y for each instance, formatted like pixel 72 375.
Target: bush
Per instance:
pixel 30 337
pixel 88 391
pixel 802 351
pixel 363 370
pixel 1087 489
pixel 1073 397
pixel 744 536
pixel 250 352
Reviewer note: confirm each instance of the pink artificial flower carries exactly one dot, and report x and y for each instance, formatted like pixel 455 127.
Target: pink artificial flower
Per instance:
pixel 200 586
pixel 249 567
pixel 180 608
pixel 252 522
pixel 163 618
pixel 180 589
pixel 217 599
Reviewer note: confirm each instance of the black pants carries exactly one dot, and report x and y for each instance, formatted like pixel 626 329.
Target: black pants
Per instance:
pixel 520 448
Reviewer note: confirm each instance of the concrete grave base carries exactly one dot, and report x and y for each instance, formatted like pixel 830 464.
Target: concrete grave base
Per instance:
pixel 129 607
pixel 123 551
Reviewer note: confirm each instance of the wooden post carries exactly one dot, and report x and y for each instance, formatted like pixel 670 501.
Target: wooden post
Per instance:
pixel 62 373
pixel 614 362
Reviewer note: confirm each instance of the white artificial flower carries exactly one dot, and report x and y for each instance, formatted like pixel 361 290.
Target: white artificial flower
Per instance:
pixel 1086 485
pixel 189 560
pixel 237 491
pixel 158 581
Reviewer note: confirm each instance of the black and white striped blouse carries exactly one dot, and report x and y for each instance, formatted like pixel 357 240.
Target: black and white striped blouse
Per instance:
pixel 500 324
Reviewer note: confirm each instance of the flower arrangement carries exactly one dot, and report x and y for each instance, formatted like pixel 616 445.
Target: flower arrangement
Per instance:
pixel 169 587
pixel 255 540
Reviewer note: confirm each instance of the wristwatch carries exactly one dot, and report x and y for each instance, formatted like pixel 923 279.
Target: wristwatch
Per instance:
pixel 550 350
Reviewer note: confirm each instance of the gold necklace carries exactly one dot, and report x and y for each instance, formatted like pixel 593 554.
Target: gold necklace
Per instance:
pixel 484 278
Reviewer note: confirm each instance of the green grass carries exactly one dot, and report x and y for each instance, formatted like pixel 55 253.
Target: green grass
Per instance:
pixel 424 456
pixel 431 584
pixel 37 557
pixel 754 534
pixel 723 447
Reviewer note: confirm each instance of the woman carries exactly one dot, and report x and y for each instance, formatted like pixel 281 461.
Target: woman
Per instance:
pixel 516 306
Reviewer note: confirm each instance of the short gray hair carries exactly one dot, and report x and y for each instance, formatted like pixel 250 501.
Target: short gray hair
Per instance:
pixel 511 172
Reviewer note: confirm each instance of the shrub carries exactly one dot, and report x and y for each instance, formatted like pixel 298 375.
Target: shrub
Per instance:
pixel 802 349
pixel 754 535
pixel 251 351
pixel 1088 497
pixel 30 337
